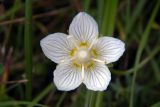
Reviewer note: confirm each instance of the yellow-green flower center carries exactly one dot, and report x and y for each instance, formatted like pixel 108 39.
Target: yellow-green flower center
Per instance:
pixel 82 55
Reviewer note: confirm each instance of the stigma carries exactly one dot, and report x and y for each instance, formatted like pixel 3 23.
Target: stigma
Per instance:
pixel 83 56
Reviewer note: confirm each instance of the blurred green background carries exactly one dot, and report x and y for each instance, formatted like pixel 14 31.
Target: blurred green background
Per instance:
pixel 26 75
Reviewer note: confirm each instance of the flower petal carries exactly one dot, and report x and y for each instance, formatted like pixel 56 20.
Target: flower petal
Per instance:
pixel 109 49
pixel 83 28
pixel 67 77
pixel 56 47
pixel 97 78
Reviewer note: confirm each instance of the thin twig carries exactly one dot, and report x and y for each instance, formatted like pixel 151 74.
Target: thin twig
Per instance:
pixel 19 20
pixel 13 82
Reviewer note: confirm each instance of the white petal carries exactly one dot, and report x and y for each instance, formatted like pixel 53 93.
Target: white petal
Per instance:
pixel 109 49
pixel 56 47
pixel 98 78
pixel 83 27
pixel 67 77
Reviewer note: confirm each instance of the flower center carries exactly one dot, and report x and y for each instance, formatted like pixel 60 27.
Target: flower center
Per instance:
pixel 83 56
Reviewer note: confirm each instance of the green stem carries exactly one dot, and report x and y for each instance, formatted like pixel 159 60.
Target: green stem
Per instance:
pixel 61 99
pixel 154 65
pixel 86 5
pixel 99 99
pixel 135 15
pixel 28 47
pixel 140 50
pixel 89 99
pixel 42 95
pixel 100 12
pixel 128 11
pixel 15 103
pixel 140 65
pixel 109 17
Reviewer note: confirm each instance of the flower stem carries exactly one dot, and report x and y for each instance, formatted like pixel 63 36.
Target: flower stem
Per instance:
pixel 86 5
pixel 61 99
pixel 42 95
pixel 109 17
pixel 28 47
pixel 99 99
pixel 89 99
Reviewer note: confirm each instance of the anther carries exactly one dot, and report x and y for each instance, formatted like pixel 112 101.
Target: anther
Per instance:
pixel 82 72
pixel 97 60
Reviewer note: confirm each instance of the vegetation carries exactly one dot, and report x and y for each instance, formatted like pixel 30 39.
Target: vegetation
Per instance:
pixel 26 75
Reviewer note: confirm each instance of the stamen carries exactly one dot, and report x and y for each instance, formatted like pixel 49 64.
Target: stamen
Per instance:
pixel 82 72
pixel 71 37
pixel 67 60
pixel 97 60
pixel 92 43
pixel 62 61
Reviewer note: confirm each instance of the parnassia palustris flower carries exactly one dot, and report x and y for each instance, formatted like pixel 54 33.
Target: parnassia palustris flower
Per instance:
pixel 81 55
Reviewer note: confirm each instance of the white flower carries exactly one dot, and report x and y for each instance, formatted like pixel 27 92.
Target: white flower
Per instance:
pixel 81 56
